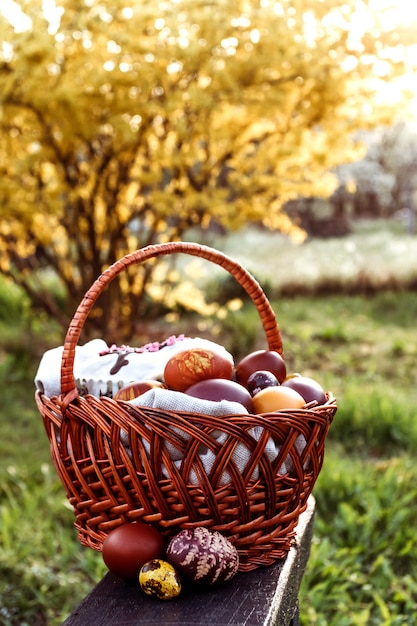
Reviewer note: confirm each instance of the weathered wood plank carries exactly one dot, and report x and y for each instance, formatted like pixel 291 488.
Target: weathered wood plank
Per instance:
pixel 264 597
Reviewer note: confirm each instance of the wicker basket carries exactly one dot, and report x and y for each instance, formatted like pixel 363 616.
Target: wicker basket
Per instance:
pixel 107 486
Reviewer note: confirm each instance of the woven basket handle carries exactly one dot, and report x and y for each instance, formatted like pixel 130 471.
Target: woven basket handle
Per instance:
pixel 243 277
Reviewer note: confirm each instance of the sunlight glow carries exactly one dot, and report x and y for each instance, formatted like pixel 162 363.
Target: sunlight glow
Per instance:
pixel 21 22
pixel 368 16
pixel 15 16
pixel 391 13
pixel 395 13
pixel 53 14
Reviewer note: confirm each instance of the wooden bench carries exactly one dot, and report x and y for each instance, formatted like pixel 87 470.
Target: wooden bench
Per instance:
pixel 266 596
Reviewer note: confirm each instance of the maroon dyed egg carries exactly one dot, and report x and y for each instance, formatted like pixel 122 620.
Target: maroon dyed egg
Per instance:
pixel 308 388
pixel 269 360
pixel 129 546
pixel 218 389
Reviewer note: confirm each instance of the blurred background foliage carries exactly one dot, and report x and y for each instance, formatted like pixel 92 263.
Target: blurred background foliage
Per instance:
pixel 126 123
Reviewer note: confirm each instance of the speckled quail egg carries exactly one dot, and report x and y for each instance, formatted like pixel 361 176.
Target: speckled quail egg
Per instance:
pixel 159 579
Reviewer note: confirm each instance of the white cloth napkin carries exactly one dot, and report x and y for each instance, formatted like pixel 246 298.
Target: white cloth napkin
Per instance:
pixel 48 375
pixel 175 401
pixel 169 400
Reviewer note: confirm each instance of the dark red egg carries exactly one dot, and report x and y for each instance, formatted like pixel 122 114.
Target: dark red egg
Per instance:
pixel 129 546
pixel 308 388
pixel 218 389
pixel 261 360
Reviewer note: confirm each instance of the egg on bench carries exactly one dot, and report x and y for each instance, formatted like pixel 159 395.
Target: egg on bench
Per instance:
pixel 159 579
pixel 129 546
pixel 203 556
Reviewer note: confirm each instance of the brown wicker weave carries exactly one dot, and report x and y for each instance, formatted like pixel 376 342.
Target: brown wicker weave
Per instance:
pixel 107 485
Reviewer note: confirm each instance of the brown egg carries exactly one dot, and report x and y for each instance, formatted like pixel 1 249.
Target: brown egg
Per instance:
pixel 191 366
pixel 133 390
pixel 273 399
pixel 217 389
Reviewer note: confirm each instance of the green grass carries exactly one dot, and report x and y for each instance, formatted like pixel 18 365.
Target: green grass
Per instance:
pixel 43 571
pixel 362 568
pixel 363 564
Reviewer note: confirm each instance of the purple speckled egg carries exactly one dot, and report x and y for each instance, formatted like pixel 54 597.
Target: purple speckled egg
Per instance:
pixel 259 380
pixel 203 556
